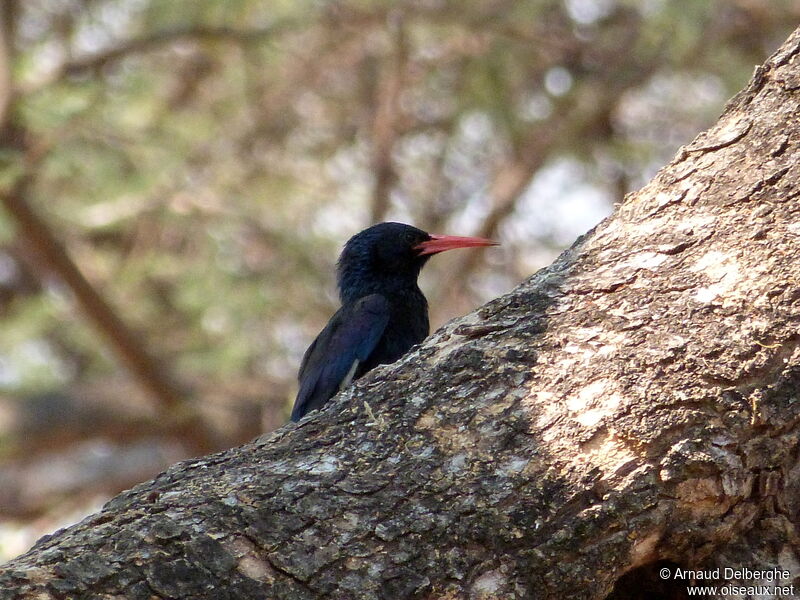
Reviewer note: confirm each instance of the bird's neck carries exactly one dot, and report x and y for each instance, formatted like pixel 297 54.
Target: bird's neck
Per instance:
pixel 357 283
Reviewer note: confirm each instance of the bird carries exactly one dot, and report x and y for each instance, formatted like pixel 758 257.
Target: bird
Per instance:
pixel 383 312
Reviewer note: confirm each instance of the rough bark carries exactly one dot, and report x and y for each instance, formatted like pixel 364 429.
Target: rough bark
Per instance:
pixel 633 406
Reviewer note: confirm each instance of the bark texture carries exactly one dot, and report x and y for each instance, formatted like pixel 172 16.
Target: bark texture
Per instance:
pixel 634 405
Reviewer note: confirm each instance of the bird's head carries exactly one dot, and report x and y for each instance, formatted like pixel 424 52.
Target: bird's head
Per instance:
pixel 389 256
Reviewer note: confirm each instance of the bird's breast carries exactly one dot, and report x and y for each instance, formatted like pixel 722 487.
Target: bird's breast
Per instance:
pixel 407 327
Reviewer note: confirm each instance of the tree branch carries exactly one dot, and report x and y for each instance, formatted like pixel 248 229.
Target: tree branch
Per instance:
pixel 7 15
pixel 42 247
pixel 385 121
pixel 154 41
pixel 158 39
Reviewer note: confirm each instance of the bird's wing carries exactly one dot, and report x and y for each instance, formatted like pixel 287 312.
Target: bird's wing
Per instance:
pixel 331 361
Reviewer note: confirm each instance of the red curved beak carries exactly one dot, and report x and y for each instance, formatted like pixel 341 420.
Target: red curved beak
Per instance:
pixel 440 243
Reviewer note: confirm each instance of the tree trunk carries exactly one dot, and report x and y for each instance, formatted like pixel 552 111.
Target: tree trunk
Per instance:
pixel 633 407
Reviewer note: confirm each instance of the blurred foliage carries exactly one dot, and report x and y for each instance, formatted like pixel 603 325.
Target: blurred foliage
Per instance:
pixel 203 161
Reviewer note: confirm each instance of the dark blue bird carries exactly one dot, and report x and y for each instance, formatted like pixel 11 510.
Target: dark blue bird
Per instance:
pixel 383 311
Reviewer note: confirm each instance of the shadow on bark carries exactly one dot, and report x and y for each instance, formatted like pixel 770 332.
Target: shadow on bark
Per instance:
pixel 645 583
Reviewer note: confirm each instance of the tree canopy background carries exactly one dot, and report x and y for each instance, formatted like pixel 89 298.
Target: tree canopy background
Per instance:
pixel 202 163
